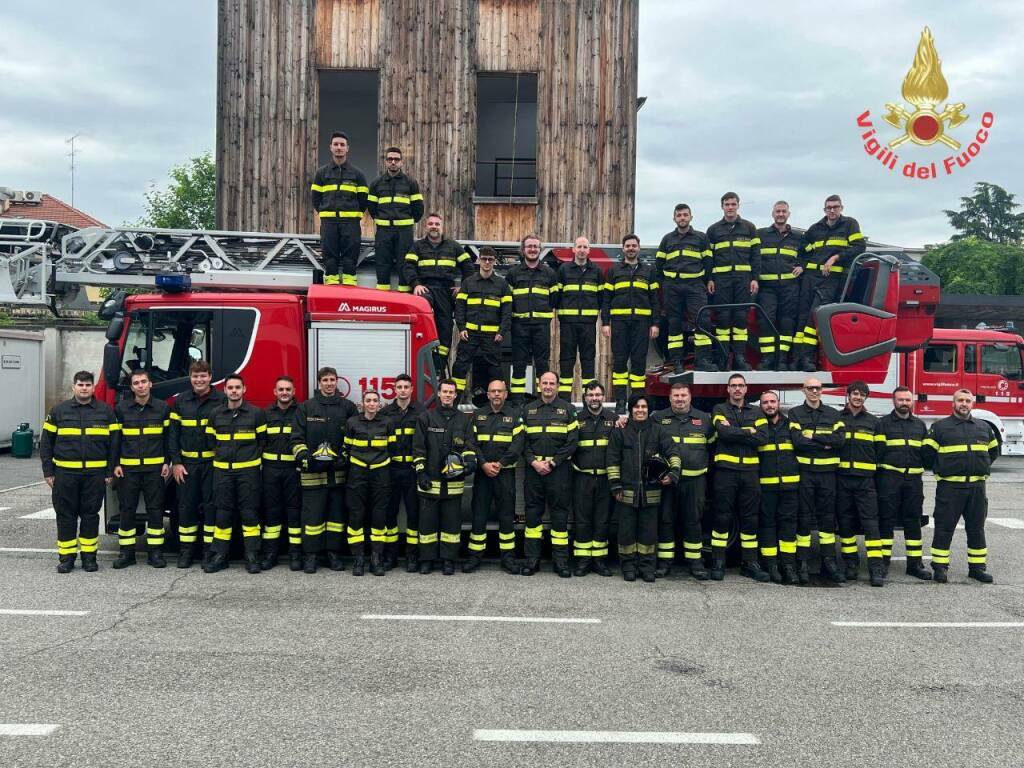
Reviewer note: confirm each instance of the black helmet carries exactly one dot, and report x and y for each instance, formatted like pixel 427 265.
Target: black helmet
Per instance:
pixel 655 468
pixel 454 467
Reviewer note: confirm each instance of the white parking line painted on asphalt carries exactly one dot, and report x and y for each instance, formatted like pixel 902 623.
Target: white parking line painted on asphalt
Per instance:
pixel 512 619
pixel 50 550
pixel 616 737
pixel 27 729
pixel 20 487
pixel 1007 522
pixel 42 514
pixel 931 624
pixel 33 612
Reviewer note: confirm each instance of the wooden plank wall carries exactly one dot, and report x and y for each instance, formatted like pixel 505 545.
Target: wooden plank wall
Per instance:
pixel 504 221
pixel 508 36
pixel 348 34
pixel 266 115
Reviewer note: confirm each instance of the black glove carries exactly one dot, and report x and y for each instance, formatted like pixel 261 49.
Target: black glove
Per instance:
pixel 469 462
pixel 423 482
pixel 302 460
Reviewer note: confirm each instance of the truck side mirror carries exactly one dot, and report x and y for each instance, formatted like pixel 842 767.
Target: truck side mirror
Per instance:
pixel 111 365
pixel 115 327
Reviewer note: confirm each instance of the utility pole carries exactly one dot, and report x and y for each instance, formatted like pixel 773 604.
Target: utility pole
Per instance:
pixel 71 154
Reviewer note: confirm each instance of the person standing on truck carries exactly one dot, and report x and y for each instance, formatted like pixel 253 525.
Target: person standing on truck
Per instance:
pixel 900 481
pixel 191 457
pixel 444 453
pixel 534 291
pixel 630 317
pixel 780 498
pixel 856 498
pixel 367 437
pixel 143 466
pixel 818 436
pixel 432 267
pixel 282 500
pixel 781 251
pixel 740 429
pixel 339 194
pixel 577 305
pixel 77 452
pixel 499 435
pixel 552 434
pixel 318 445
pixel 402 412
pixel 591 499
pixel 637 491
pixel 960 450
pixel 483 316
pixel 736 266
pixel 830 246
pixel 396 204
pixel 239 430
pixel 684 269
pixel 682 506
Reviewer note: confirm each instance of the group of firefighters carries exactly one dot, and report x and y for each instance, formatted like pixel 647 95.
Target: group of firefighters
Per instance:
pixel 733 265
pixel 327 470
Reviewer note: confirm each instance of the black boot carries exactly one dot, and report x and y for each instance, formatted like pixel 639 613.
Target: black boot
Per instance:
pixel 648 576
pixel 917 570
pixel 772 566
pixel 739 362
pixel 252 562
pixel 207 554
pixel 309 563
pixel 698 571
pixel 583 565
pixel 807 362
pixel 335 563
pixel 217 562
pixel 358 565
pixel 629 572
pixel 377 564
pixel 664 567
pixel 600 567
pixel 717 572
pixel 412 560
pixel 780 362
pixel 66 564
pixel 186 555
pixel 875 573
pixel 269 558
pixel 426 566
pixel 803 573
pixel 89 564
pixel 677 367
pixel 703 362
pixel 509 564
pixel 125 558
pixel 471 565
pixel 620 406
pixel 830 571
pixel 789 574
pixel 886 560
pixel 767 362
pixel 390 558
pixel 753 570
pixel 447 567
pixel 976 572
pixel 940 573
pixel 561 567
pixel 155 558
pixel 530 567
pixel 851 567
pixel 294 559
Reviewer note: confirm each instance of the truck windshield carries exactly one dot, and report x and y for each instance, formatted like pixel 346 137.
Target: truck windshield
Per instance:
pixel 1001 360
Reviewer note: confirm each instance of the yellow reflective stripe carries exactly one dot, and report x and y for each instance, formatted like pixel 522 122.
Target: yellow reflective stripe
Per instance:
pixel 596 443
pixel 820 462
pixel 729 458
pixel 961 478
pixel 857 465
pixel 483 328
pixel 79 464
pixel 279 430
pixel 631 311
pixel 198 455
pixel 782 480
pixel 732 268
pixel 360 463
pixel 278 457
pixel 149 461
pixel 237 464
pixel 902 470
pixel 786 446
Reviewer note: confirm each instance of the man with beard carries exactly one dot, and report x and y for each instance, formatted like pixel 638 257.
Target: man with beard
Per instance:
pixel 282 502
pixel 780 500
pixel 591 502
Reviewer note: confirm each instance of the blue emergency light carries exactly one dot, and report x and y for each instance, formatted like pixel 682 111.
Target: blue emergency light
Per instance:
pixel 173 283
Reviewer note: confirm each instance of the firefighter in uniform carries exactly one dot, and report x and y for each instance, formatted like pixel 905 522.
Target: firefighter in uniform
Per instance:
pixel 552 433
pixel 856 497
pixel 960 450
pixel 900 482
pixel 591 502
pixel 443 453
pixel 141 447
pixel 432 267
pixel 239 430
pixel 684 268
pixel 577 305
pixel 682 507
pixel 282 502
pixel 830 246
pixel 191 457
pixel 402 412
pixel 78 459
pixel 818 436
pixel 781 251
pixel 395 202
pixel 534 287
pixel 733 280
pixel 339 197
pixel 483 316
pixel 499 435
pixel 318 437
pixel 367 437
pixel 780 498
pixel 740 429
pixel 636 492
pixel 630 316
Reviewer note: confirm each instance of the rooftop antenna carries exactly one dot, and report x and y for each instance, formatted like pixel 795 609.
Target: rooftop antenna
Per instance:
pixel 71 154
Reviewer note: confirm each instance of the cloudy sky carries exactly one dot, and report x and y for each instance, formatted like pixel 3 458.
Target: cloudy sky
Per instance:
pixel 762 100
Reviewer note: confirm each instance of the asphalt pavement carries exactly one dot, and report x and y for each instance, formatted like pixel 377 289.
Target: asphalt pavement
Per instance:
pixel 181 668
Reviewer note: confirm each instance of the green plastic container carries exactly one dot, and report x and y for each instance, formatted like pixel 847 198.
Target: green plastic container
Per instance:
pixel 21 442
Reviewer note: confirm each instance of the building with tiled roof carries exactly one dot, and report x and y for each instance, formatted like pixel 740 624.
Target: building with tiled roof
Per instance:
pixel 46 208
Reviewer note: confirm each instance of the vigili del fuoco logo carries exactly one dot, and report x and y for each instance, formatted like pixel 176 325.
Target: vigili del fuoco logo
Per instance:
pixel 922 124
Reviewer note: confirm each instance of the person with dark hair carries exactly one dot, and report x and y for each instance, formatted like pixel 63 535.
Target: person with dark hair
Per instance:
pixel 740 428
pixel 367 437
pixel 143 466
pixel 636 489
pixel 591 502
pixel 830 247
pixel 780 499
pixel 77 453
pixel 282 500
pixel 577 305
pixel 318 445
pixel 684 269
pixel 191 456
pixel 402 412
pixel 238 430
pixel 396 204
pixel 534 293
pixel 780 249
pixel 856 499
pixel 736 265
pixel 630 317
pixel 339 193
pixel 433 265
pixel 483 318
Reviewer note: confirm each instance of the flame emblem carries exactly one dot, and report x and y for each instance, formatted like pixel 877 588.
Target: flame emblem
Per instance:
pixel 925 88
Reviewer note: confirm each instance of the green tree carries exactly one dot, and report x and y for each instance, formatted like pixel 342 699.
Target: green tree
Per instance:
pixel 972 265
pixel 989 215
pixel 188 201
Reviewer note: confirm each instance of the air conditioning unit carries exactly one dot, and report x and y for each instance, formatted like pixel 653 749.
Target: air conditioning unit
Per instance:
pixel 31 196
